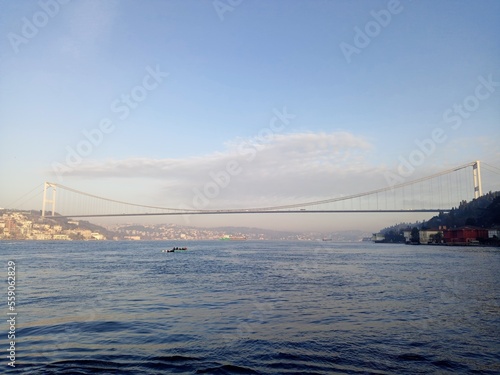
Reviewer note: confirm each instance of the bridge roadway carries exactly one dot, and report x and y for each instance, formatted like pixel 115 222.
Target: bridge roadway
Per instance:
pixel 226 212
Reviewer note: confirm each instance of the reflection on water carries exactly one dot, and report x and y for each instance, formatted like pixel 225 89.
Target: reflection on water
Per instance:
pixel 254 307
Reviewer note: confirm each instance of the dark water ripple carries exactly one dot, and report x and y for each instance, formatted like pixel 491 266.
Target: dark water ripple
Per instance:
pixel 253 308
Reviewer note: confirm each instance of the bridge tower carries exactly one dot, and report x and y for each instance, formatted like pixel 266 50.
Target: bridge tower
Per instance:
pixel 476 172
pixel 47 186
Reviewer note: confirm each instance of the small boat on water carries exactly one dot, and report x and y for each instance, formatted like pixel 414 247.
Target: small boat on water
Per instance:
pixel 172 250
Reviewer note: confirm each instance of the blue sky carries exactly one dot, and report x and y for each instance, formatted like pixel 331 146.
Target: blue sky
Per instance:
pixel 223 71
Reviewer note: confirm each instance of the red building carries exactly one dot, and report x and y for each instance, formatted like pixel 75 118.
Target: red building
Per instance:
pixel 464 235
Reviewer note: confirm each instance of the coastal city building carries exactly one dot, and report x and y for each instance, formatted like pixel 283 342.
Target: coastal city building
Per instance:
pixel 20 225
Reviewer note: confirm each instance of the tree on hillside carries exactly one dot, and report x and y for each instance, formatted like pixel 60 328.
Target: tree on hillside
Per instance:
pixel 470 221
pixel 491 216
pixel 394 236
pixel 437 238
pixel 415 235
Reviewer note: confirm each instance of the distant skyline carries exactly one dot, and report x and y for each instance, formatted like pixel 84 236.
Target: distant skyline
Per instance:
pixel 147 102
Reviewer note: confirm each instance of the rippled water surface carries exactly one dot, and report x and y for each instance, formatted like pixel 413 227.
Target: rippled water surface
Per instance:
pixel 253 308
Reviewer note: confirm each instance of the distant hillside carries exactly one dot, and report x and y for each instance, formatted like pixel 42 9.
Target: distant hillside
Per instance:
pixel 30 225
pixel 172 231
pixel 481 212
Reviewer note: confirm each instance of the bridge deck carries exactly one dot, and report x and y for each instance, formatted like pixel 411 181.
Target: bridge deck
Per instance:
pixel 226 212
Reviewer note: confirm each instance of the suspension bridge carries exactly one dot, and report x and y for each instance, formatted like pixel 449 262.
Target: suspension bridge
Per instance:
pixel 439 192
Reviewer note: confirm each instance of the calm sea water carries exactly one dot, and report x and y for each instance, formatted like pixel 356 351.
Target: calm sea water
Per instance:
pixel 252 308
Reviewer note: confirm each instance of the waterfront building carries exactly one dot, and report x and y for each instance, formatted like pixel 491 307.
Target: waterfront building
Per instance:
pixel 465 235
